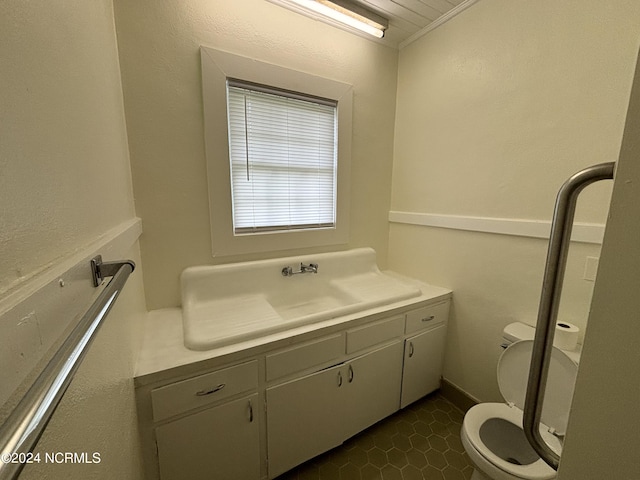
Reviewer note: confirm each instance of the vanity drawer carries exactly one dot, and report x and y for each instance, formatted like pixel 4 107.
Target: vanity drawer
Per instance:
pixel 375 333
pixel 305 356
pixel 427 317
pixel 202 390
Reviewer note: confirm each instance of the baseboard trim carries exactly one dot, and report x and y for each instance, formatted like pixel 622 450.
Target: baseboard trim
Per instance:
pixel 457 396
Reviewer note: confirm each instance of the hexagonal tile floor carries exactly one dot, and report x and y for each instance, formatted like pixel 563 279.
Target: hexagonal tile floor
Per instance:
pixel 421 441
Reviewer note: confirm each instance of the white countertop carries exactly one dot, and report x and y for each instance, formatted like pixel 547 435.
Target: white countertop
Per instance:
pixel 163 350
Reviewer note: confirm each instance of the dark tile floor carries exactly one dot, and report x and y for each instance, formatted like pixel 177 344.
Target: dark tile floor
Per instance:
pixel 421 441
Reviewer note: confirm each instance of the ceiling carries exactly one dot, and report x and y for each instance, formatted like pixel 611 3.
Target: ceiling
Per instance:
pixel 410 19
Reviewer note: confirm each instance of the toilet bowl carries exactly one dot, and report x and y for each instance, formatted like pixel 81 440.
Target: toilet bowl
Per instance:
pixel 493 437
pixel 492 433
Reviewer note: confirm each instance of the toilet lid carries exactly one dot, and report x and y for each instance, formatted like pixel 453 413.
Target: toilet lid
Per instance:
pixel 513 375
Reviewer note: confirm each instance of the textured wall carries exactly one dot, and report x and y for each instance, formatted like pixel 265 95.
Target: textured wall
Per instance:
pixel 602 440
pixel 64 165
pixel 495 110
pixel 159 53
pixel 65 182
pixel 98 412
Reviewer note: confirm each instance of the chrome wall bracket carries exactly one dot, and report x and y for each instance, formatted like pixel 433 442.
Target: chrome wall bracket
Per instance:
pixel 101 270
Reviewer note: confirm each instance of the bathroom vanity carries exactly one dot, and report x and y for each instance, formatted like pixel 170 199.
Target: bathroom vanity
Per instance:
pixel 258 405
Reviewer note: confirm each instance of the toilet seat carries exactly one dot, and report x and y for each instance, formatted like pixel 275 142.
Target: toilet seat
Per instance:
pixel 494 432
pixel 513 376
pixel 481 413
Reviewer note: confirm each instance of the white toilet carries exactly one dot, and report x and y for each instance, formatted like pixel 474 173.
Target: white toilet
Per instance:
pixel 492 433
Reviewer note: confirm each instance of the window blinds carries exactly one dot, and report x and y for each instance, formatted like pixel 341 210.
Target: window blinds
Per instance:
pixel 283 159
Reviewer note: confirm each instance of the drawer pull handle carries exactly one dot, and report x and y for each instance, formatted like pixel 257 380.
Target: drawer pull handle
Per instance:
pixel 204 393
pixel 339 379
pixel 250 412
pixel 350 373
pixel 410 349
pixel 429 318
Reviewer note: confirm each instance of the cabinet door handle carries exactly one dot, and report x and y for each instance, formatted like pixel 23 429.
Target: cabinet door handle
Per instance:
pixel 204 393
pixel 350 373
pixel 250 412
pixel 339 379
pixel 410 349
pixel 428 319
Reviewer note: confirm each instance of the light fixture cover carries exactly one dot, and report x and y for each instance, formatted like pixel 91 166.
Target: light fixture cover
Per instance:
pixel 348 13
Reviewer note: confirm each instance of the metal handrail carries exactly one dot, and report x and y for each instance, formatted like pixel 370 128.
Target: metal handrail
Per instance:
pixel 23 428
pixel 550 300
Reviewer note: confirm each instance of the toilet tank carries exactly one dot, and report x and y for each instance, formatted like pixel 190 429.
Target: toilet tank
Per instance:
pixel 519 331
pixel 516 331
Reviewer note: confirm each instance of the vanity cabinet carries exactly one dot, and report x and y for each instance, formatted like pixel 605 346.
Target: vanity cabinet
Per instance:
pixel 371 390
pixel 219 442
pixel 310 415
pixel 304 418
pixel 263 412
pixel 423 352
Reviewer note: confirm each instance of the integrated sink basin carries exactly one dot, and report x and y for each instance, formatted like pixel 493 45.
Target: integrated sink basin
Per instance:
pixel 305 298
pixel 225 304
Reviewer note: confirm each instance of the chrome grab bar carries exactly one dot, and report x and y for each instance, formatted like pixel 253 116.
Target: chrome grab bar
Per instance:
pixel 550 300
pixel 23 428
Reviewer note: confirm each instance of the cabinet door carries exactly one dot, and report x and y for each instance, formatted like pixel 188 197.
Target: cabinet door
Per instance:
pixel 372 387
pixel 422 364
pixel 220 442
pixel 304 418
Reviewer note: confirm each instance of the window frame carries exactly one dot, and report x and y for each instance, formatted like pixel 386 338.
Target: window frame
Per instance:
pixel 217 67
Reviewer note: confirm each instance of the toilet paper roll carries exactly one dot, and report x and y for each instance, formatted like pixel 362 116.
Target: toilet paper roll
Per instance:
pixel 566 336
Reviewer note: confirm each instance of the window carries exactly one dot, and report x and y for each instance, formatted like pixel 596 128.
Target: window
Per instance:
pixel 282 149
pixel 297 192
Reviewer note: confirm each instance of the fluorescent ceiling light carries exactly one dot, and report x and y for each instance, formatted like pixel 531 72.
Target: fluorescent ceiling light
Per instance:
pixel 348 13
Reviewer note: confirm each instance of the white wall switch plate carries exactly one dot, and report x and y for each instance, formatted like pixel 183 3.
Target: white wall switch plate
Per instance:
pixel 591 268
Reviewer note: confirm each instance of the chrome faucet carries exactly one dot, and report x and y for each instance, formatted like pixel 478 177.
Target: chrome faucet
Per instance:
pixel 311 268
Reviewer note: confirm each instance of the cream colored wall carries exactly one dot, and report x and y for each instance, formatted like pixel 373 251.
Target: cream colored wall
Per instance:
pixel 65 176
pixel 98 412
pixel 64 182
pixel 602 439
pixel 159 53
pixel 495 109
